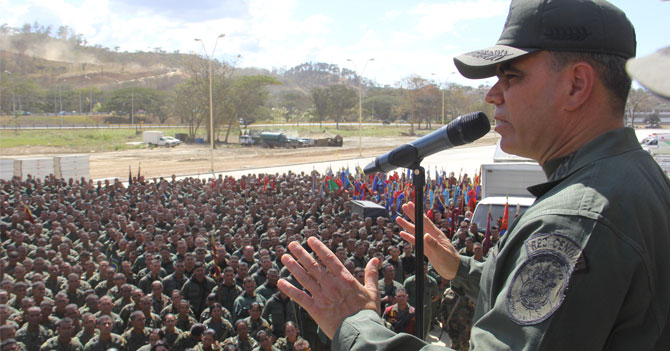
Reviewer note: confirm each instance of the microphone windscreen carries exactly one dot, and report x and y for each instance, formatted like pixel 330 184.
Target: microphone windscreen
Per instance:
pixel 468 128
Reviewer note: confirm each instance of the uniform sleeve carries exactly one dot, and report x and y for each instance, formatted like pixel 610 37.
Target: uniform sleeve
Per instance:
pixel 467 277
pixel 366 331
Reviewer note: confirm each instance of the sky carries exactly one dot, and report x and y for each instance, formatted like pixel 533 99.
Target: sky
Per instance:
pixel 403 38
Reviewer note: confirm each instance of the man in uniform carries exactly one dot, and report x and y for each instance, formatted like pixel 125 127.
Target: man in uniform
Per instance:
pixel 32 334
pixel 106 339
pixel 586 266
pixel 64 340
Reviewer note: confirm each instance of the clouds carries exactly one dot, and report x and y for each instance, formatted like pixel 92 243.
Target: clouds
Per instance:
pixel 440 18
pixel 404 37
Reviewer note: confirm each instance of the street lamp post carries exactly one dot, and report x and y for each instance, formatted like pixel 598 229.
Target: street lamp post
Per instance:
pixel 211 104
pixel 360 104
pixel 443 91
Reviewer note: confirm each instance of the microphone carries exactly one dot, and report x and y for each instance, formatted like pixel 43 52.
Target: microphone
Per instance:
pixel 464 129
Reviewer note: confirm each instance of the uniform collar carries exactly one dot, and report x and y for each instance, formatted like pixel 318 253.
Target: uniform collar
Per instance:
pixel 608 144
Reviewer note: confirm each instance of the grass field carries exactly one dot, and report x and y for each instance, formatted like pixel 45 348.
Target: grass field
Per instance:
pixel 100 140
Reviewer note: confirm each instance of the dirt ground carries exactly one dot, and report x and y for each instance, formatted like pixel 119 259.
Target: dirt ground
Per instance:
pixel 195 159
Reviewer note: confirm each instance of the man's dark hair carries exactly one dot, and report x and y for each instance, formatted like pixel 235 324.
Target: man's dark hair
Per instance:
pixel 610 69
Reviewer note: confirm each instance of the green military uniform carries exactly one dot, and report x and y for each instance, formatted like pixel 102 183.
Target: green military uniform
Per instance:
pixel 136 340
pixel 226 295
pixel 584 268
pixel 33 340
pixel 243 303
pixel 278 311
pixel 257 325
pixel 282 344
pixel 85 337
pixel 54 345
pixel 172 338
pixel 242 345
pixel 387 290
pixel 97 344
pixel 430 290
pixel 223 328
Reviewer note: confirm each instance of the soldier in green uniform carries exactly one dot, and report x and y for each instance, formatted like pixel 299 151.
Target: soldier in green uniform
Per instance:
pixel 64 340
pixel 287 342
pixel 88 330
pixel 32 334
pixel 138 335
pixel 243 341
pixel 586 266
pixel 222 327
pixel 430 294
pixel 106 339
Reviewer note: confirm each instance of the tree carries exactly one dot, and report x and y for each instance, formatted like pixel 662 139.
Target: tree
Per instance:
pixel 320 101
pixel 294 101
pixel 636 98
pixel 412 85
pixel 249 98
pixel 341 99
pixel 189 106
pixel 138 98
pixel 653 119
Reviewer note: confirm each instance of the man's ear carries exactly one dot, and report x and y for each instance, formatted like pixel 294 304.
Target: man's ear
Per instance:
pixel 581 79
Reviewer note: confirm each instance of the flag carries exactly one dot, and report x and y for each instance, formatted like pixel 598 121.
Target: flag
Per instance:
pixel 332 185
pixel 29 214
pixel 313 183
pixel 399 202
pixel 518 209
pixel 472 201
pixel 215 256
pixel 487 235
pixel 505 220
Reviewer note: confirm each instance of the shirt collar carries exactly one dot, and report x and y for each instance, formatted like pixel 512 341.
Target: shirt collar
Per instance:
pixel 608 144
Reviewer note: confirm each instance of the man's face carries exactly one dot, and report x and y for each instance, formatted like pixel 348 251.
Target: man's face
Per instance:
pixel 526 106
pixel 65 330
pixel 401 298
pixel 255 312
pixel 170 322
pixel 105 326
pixel 389 272
pixel 88 322
pixel 264 340
pixel 139 321
pixel 242 330
pixel 33 315
pixel 105 305
pixel 249 287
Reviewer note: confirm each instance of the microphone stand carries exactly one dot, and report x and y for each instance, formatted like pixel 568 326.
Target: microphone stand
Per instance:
pixel 419 181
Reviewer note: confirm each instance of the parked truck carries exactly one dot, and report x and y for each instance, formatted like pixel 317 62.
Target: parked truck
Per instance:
pixel 506 181
pixel 657 143
pixel 157 138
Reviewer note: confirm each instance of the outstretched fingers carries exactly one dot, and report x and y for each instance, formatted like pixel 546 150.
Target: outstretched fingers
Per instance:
pixel 306 269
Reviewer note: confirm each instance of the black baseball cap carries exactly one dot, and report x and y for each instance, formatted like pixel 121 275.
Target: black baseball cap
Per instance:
pixel 594 26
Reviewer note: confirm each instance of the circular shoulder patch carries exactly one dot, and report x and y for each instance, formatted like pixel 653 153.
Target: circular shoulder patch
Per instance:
pixel 537 288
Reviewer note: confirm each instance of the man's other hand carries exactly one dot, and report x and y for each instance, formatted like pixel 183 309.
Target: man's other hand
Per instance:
pixel 437 247
pixel 335 293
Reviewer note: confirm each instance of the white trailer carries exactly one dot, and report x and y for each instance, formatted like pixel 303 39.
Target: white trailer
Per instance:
pixel 157 138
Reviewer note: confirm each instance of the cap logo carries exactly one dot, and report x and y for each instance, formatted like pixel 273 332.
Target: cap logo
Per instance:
pixel 567 33
pixel 489 55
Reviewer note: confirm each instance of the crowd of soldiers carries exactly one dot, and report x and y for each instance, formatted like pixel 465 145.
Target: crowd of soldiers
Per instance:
pixel 180 264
